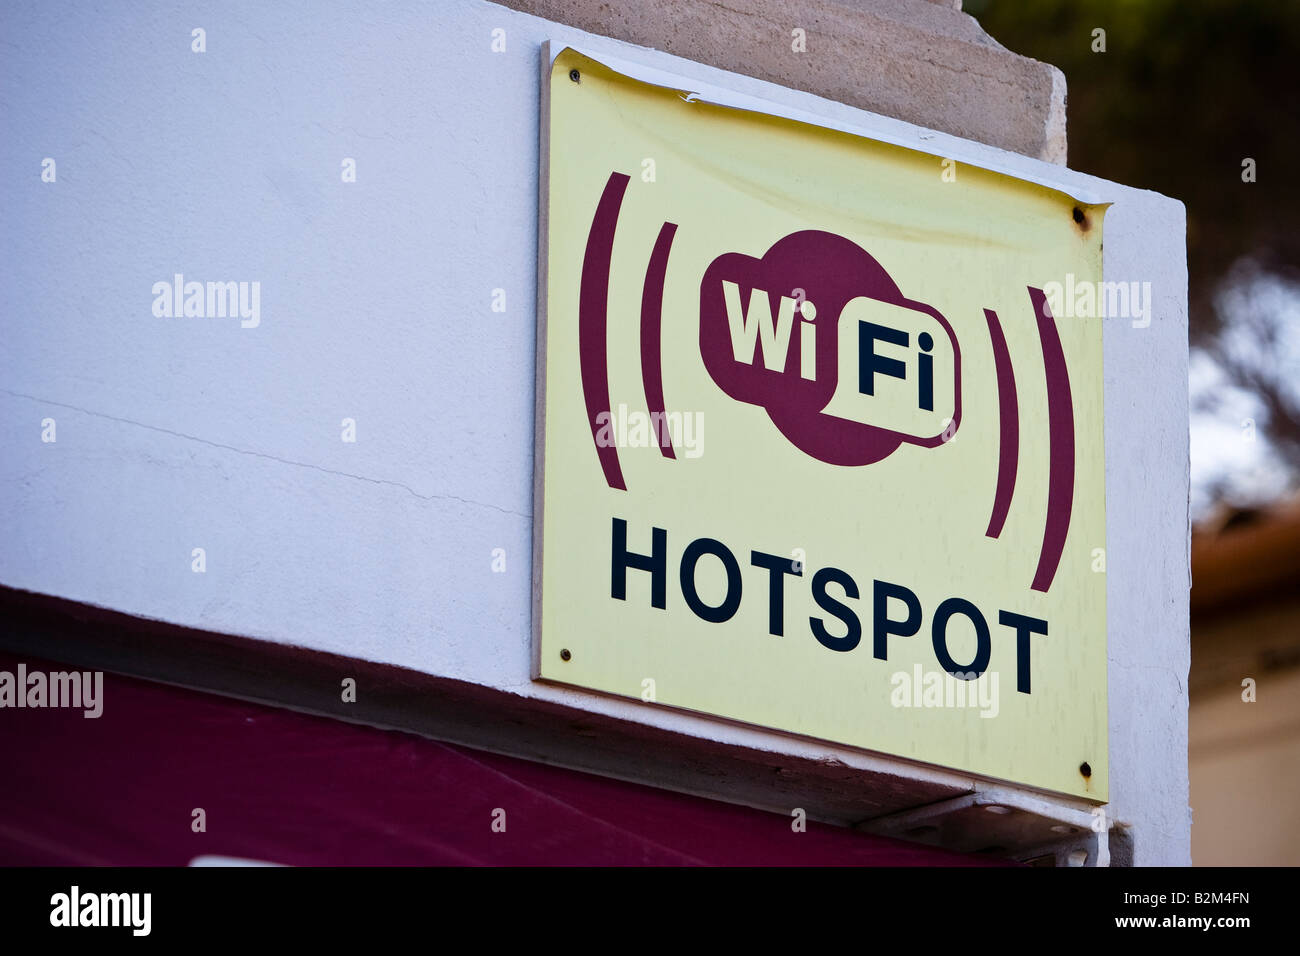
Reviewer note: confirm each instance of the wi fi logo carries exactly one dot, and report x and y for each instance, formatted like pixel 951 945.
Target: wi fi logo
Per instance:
pixel 811 331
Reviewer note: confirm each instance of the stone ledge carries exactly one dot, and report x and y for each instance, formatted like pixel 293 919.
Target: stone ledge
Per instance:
pixel 921 61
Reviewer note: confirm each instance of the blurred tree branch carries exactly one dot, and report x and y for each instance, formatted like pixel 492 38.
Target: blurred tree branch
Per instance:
pixel 1183 93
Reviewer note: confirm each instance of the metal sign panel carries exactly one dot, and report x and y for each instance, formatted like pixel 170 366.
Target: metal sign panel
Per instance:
pixel 816 450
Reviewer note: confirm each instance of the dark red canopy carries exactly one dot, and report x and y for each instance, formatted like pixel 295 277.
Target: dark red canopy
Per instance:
pixel 286 787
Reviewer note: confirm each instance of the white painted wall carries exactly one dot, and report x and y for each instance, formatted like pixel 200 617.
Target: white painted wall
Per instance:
pixel 375 305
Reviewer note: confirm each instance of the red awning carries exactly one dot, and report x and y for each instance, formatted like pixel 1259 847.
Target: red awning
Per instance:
pixel 285 787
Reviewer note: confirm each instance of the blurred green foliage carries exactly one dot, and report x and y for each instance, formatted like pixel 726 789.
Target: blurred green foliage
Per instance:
pixel 1184 92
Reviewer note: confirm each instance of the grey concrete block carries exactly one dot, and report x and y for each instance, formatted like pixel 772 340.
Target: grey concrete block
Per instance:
pixel 922 61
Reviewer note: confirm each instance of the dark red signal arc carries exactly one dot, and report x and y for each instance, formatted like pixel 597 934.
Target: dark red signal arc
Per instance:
pixel 1060 423
pixel 1008 426
pixel 593 317
pixel 652 302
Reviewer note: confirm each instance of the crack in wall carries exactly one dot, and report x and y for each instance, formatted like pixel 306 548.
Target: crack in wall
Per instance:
pixel 257 454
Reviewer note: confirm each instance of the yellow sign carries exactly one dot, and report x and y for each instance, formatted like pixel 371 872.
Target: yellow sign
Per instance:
pixel 813 452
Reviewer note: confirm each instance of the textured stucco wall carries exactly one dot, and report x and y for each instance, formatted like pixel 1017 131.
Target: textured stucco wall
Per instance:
pixel 376 299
